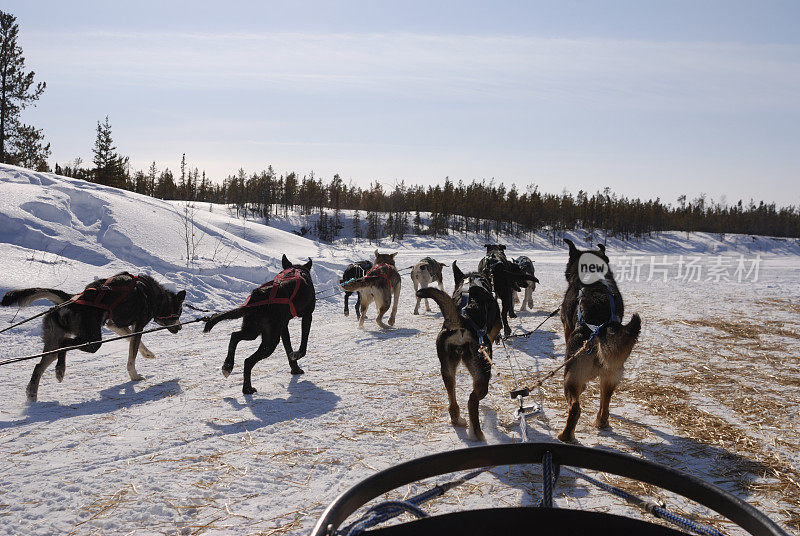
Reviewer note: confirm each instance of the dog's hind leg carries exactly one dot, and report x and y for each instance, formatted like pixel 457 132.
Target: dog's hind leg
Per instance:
pixel 480 368
pixel 572 392
pixel 269 340
pixel 133 349
pixel 395 301
pixel 358 305
pixel 245 334
pixel 529 296
pixel 449 378
pixel 416 287
pixel 383 306
pixel 122 331
pixel 347 303
pixel 607 386
pixel 32 390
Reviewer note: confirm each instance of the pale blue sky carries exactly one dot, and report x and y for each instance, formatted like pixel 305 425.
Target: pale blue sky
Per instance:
pixel 653 99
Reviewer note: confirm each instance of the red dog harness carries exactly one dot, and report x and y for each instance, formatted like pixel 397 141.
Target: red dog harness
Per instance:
pixel 106 297
pixel 290 274
pixel 380 274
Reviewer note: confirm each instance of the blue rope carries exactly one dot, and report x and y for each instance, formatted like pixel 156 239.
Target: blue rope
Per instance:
pixel 656 510
pixel 387 510
pixel 550 474
pixel 612 318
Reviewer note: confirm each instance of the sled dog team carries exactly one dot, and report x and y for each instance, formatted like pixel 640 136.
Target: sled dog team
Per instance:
pixel 597 343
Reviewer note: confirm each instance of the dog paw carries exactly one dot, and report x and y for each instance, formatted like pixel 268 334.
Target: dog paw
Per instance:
pixel 136 377
pixel 391 321
pixel 566 438
pixel 59 374
pixel 416 312
pixel 31 398
pixel 602 425
pixel 347 313
pixel 226 371
pixel 512 314
pixel 248 390
pixel 461 422
pixel 298 370
pixel 476 436
pixel 148 354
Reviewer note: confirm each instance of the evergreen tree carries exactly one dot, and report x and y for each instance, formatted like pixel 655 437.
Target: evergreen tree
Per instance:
pixel 109 166
pixel 357 232
pixel 18 143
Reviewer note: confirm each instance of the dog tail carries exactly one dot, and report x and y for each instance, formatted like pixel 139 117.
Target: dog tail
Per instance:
pixel 27 296
pixel 619 338
pixel 219 317
pixel 452 320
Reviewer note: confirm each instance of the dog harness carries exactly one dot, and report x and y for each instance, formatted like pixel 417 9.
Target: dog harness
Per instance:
pixel 596 328
pixel 290 274
pixel 525 263
pixel 106 297
pixel 380 274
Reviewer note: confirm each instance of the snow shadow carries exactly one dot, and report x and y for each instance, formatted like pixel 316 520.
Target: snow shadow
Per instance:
pixel 730 471
pixel 111 399
pixel 388 334
pixel 527 478
pixel 305 401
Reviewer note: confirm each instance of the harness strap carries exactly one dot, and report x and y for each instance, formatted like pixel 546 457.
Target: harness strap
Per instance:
pixel 380 274
pixel 120 291
pixel 596 328
pixel 290 274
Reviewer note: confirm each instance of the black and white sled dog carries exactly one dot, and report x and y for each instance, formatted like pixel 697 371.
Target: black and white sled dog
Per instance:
pixel 506 278
pixel 354 270
pixel 466 337
pixel 125 303
pixel 598 344
pixel 267 312
pixel 380 285
pixel 425 272
pixel 527 286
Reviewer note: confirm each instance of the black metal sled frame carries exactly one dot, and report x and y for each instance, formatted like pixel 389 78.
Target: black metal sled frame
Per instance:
pixel 532 519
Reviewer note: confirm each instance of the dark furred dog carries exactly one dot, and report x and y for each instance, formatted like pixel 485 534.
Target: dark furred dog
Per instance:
pixel 354 270
pixel 267 313
pixel 528 286
pixel 600 342
pixel 124 302
pixel 466 337
pixel 380 285
pixel 425 272
pixel 506 278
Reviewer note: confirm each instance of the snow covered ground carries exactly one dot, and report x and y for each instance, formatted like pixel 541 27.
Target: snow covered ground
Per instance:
pixel 712 387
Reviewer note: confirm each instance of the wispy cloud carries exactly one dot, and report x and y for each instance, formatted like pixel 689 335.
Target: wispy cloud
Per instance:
pixel 612 73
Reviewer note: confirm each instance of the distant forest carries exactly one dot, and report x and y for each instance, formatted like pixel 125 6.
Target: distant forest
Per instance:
pixel 486 207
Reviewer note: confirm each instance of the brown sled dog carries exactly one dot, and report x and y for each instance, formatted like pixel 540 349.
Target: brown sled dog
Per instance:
pixel 597 342
pixel 267 312
pixel 122 302
pixel 380 284
pixel 467 338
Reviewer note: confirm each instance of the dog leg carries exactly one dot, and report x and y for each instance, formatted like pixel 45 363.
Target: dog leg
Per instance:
pixel 133 349
pixel 572 394
pixel 395 301
pixel 126 331
pixel 269 340
pixel 607 387
pixel 479 390
pixel 236 338
pixel 416 288
pixel 529 295
pixel 346 304
pixel 364 305
pixel 449 379
pixel 33 386
pixel 358 305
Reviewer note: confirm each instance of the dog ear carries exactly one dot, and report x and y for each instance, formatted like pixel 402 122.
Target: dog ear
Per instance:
pixel 573 251
pixel 307 266
pixel 458 275
pixel 502 247
pixel 181 295
pixel 285 262
pixel 602 248
pixel 394 254
pixel 376 253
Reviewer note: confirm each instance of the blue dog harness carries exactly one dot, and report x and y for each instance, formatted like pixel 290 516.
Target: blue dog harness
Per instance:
pixel 596 328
